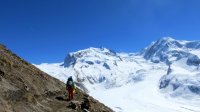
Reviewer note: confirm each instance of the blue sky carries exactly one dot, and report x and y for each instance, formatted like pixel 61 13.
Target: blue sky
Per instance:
pixel 46 30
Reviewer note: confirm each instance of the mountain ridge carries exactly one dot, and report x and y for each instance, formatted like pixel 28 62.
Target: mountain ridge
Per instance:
pixel 166 49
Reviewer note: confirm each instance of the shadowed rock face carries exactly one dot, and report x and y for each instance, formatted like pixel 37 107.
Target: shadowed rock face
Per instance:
pixel 24 88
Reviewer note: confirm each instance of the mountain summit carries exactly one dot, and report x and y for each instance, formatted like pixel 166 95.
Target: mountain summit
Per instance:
pixel 87 53
pixel 168 49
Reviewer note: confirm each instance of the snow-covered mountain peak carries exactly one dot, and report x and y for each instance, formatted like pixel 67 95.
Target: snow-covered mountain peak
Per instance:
pixel 92 51
pixel 129 78
pixel 170 42
pixel 104 66
pixel 89 55
pixel 168 49
pixel 164 44
pixel 166 39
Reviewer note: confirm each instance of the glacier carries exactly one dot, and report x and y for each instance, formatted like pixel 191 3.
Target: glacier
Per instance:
pixel 163 77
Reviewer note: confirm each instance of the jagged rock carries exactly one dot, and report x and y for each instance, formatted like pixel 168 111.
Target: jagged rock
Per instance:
pixel 69 60
pixel 1 75
pixel 106 66
pixel 74 105
pixel 85 104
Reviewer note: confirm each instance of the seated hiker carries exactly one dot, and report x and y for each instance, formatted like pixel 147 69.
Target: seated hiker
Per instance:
pixel 70 86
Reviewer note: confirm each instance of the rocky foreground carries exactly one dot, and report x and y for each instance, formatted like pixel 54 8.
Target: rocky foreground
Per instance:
pixel 24 88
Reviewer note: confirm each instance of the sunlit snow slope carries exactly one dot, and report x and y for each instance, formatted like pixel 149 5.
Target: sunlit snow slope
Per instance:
pixel 163 77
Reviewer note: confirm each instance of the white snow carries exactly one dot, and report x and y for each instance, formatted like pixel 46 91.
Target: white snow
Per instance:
pixel 142 96
pixel 129 83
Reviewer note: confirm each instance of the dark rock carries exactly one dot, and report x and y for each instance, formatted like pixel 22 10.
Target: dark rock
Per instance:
pixel 106 66
pixel 1 75
pixel 195 89
pixel 98 62
pixel 60 98
pixel 193 60
pixel 73 104
pixel 175 86
pixel 85 104
pixel 164 82
pixel 69 60
pixel 102 79
pixel 90 62
pixel 15 95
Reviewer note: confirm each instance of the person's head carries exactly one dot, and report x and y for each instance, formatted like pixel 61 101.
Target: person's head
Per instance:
pixel 70 77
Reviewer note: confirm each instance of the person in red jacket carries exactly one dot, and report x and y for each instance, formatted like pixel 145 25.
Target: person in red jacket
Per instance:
pixel 70 86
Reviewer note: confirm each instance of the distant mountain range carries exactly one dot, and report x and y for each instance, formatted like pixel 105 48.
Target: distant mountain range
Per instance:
pixel 167 67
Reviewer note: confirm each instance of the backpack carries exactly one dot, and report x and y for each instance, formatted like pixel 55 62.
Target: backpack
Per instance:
pixel 70 83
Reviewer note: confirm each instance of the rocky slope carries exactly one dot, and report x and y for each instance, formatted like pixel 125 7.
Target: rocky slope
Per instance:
pixel 24 88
